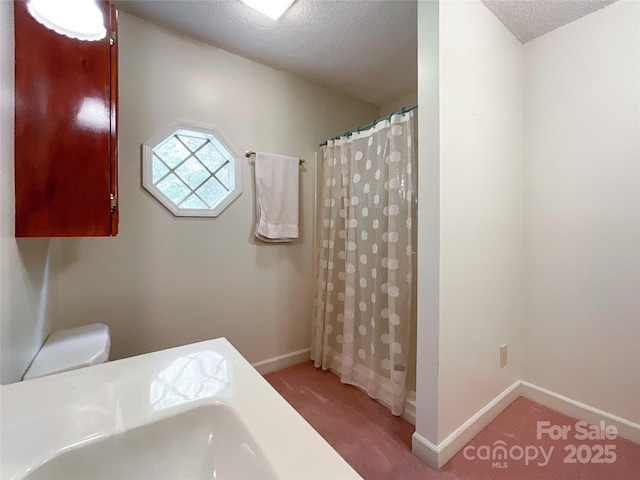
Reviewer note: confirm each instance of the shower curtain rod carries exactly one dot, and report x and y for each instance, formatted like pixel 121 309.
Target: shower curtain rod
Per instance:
pixel 403 110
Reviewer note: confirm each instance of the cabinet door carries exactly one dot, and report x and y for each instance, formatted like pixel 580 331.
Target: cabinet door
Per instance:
pixel 65 130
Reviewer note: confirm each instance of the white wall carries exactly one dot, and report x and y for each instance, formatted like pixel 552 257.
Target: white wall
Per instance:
pixel 582 210
pixel 538 184
pixel 165 281
pixel 24 264
pixel 428 275
pixel 469 265
pixel 480 209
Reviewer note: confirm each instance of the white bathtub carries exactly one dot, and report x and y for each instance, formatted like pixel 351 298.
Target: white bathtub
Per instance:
pixel 199 411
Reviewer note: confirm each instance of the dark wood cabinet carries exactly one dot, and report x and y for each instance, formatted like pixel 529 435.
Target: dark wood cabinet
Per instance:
pixel 65 130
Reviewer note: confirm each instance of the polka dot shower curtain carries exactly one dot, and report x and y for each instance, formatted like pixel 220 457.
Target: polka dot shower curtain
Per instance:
pixel 363 259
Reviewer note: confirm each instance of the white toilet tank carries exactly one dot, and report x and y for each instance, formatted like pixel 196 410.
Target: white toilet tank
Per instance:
pixel 71 349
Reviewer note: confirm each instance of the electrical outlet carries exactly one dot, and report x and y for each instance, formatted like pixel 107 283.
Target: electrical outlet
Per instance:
pixel 504 359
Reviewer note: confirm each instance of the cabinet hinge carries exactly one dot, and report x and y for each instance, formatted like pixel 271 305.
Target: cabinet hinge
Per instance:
pixel 113 202
pixel 113 36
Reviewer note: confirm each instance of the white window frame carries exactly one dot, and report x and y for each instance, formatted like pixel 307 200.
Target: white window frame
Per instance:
pixel 202 131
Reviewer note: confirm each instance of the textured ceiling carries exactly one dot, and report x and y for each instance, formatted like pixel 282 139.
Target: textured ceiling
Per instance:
pixel 529 19
pixel 364 48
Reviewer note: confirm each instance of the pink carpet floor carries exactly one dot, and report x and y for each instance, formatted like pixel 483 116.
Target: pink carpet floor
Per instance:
pixel 378 445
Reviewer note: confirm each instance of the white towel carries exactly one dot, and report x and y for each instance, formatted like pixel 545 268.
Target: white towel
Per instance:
pixel 276 197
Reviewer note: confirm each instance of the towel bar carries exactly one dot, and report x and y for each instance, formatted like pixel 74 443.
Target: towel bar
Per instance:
pixel 248 154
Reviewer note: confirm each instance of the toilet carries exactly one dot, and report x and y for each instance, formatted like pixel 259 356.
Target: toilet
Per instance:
pixel 71 349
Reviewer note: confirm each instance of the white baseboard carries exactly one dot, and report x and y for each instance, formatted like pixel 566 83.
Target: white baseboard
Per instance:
pixel 282 361
pixel 626 428
pixel 425 450
pixel 438 455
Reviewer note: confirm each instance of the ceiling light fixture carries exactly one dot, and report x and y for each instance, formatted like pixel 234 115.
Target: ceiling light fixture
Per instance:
pixel 271 8
pixel 81 19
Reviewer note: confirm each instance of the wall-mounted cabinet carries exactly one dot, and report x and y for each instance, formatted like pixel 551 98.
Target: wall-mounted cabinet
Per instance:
pixel 65 129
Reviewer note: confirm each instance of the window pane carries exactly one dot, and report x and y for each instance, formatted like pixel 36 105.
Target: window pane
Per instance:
pixel 192 172
pixel 158 169
pixel 193 202
pixel 210 157
pixel 172 152
pixel 173 188
pixel 192 142
pixel 211 192
pixel 223 176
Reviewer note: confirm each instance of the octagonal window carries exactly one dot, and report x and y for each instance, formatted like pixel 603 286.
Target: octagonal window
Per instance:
pixel 192 170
